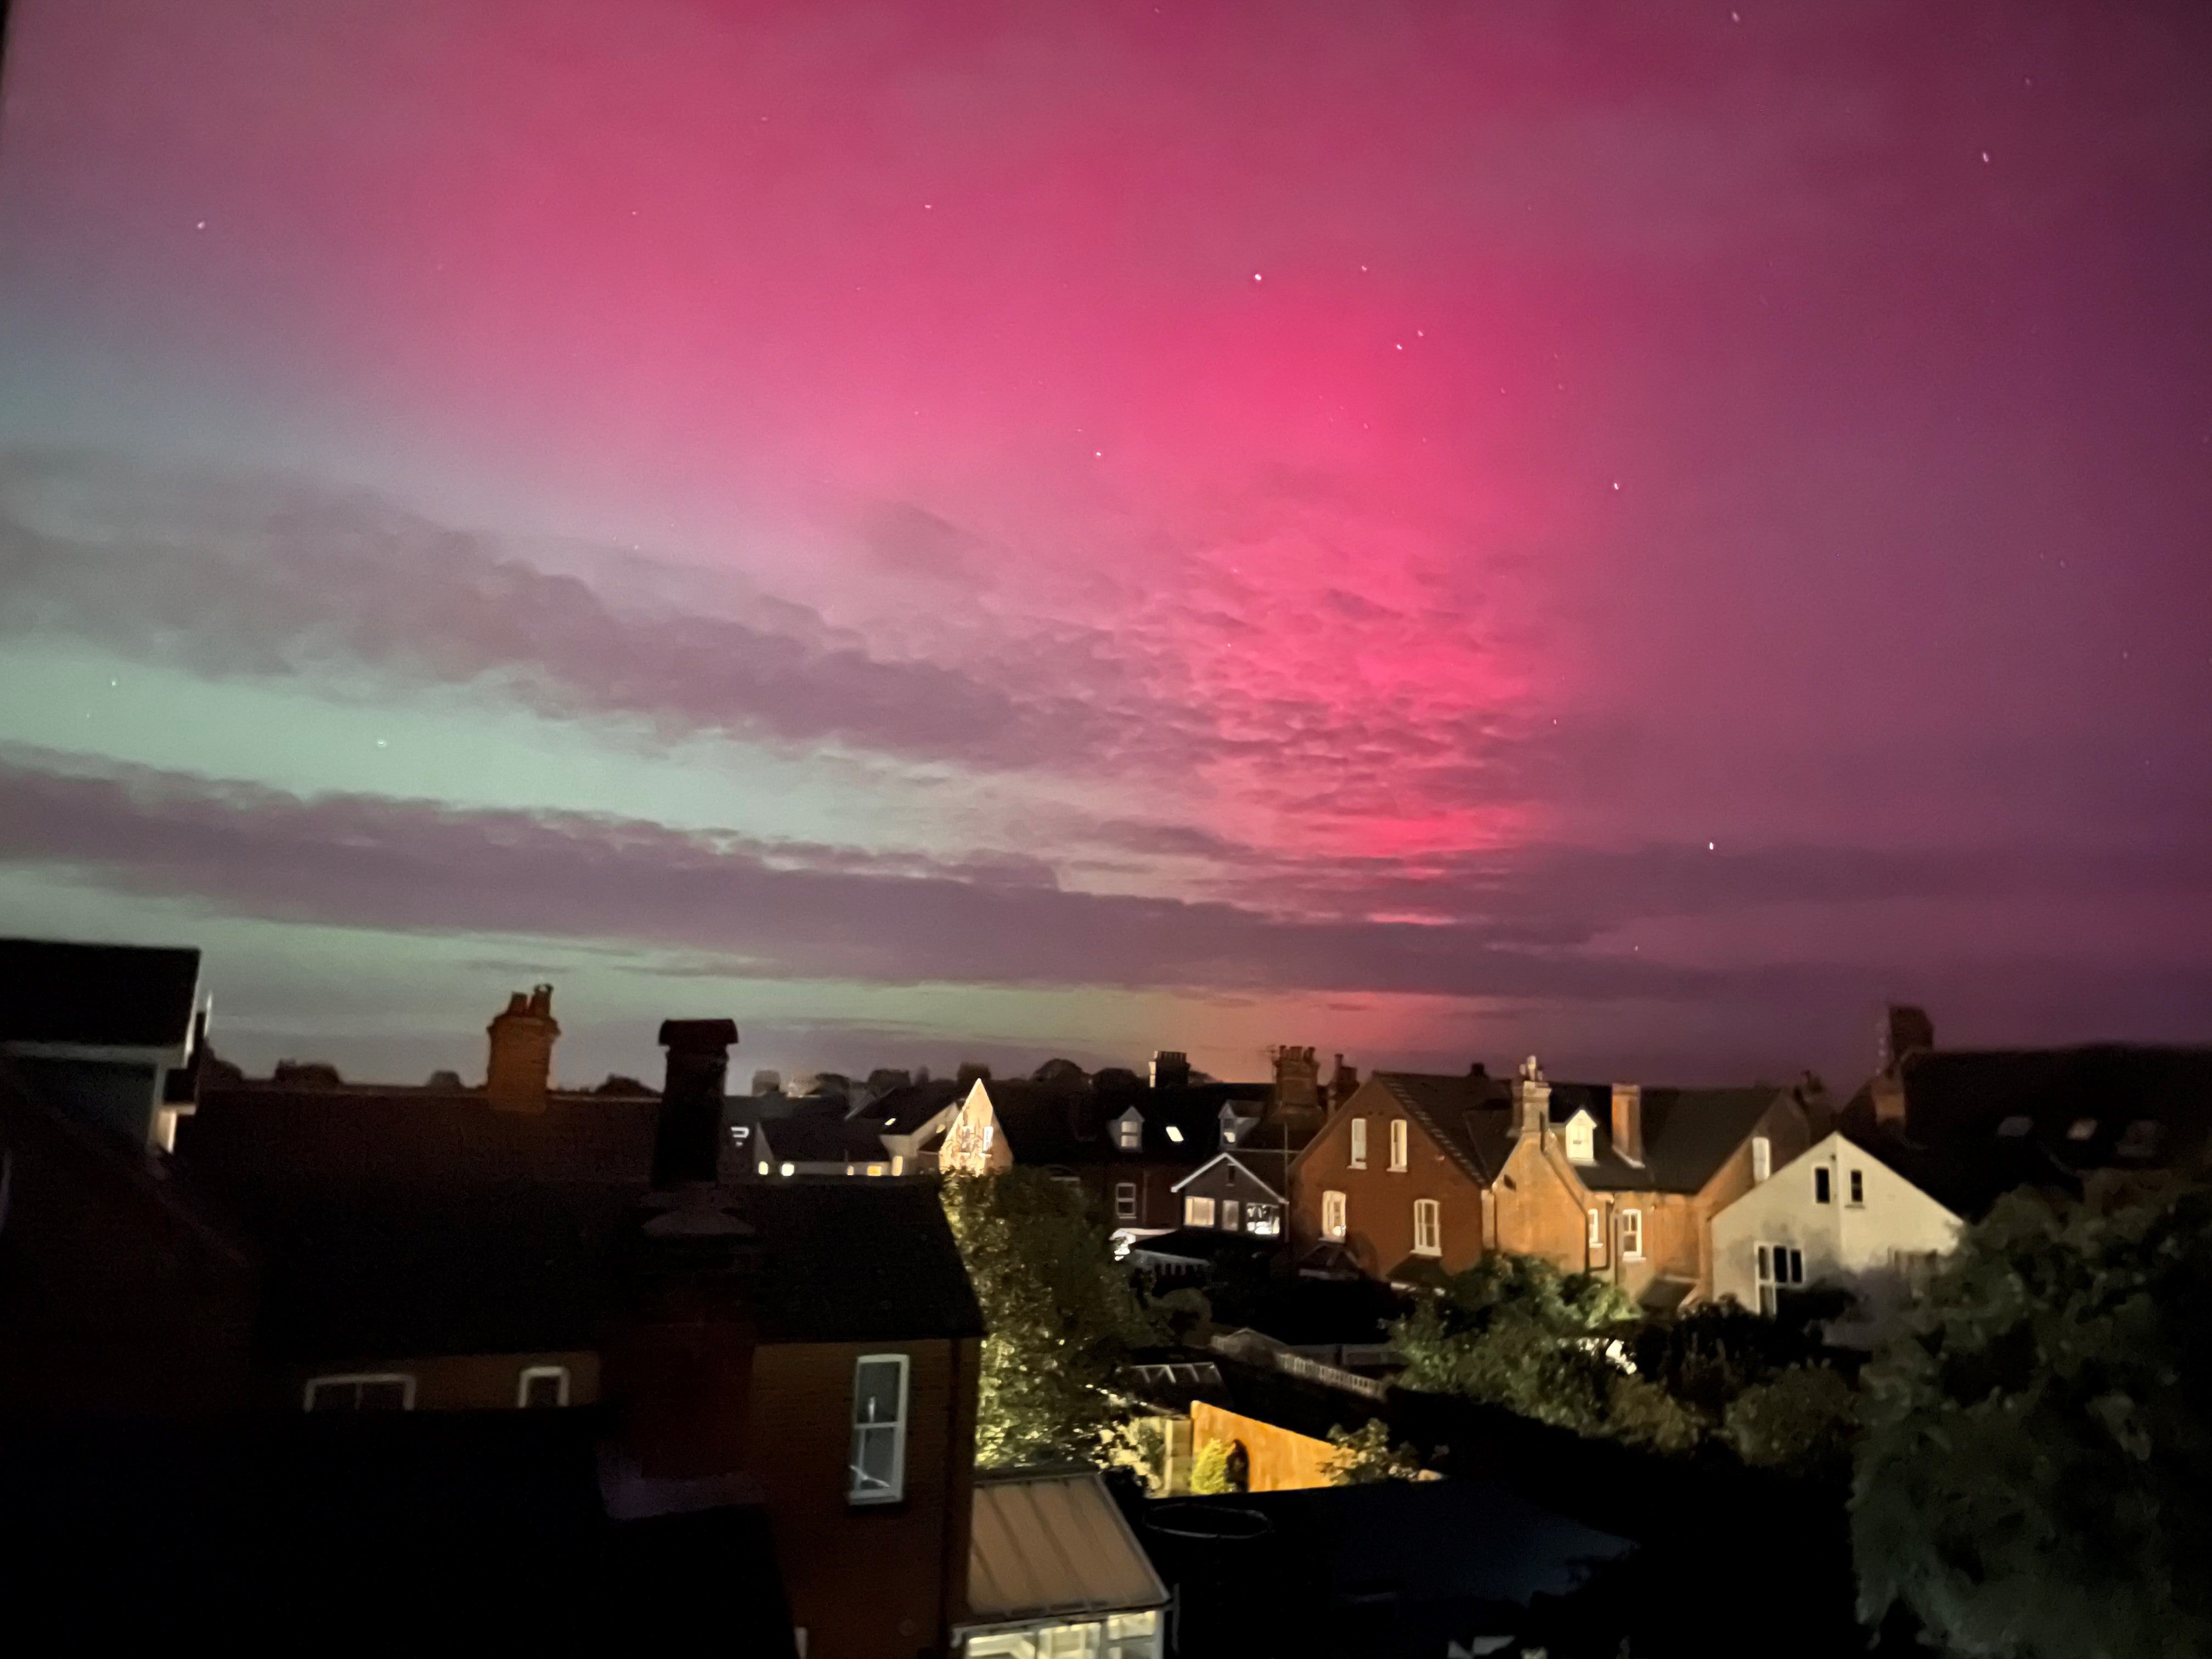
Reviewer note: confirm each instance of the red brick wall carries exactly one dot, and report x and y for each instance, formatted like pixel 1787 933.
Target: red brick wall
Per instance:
pixel 1379 1202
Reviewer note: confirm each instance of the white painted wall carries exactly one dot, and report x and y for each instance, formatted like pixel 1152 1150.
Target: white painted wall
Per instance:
pixel 1854 1245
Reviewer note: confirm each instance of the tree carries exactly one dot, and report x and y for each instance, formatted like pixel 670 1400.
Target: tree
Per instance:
pixel 1802 1421
pixel 1364 1457
pixel 2035 1481
pixel 1060 1312
pixel 1516 1331
pixel 1209 1470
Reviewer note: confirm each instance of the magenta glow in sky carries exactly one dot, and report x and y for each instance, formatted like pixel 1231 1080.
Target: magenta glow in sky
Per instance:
pixel 1436 530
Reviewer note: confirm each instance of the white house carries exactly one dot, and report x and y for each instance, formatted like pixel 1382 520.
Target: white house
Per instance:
pixel 1837 1215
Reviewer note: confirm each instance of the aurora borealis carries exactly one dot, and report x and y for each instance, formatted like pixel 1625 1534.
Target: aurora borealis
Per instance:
pixel 1429 530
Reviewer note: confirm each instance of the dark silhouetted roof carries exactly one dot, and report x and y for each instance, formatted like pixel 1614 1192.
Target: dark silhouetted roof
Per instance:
pixel 1688 1134
pixel 1048 1123
pixel 107 995
pixel 823 1137
pixel 2141 1108
pixel 904 1110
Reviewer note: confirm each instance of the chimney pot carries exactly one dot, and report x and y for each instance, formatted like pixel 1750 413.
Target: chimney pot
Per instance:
pixel 1170 1068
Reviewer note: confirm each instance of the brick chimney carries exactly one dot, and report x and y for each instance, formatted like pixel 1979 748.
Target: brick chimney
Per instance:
pixel 1628 1122
pixel 521 1068
pixel 1906 1031
pixel 1171 1069
pixel 1532 1100
pixel 1297 1080
pixel 1342 1082
pixel 687 1147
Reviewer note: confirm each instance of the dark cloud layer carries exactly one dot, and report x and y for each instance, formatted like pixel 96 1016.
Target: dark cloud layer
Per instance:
pixel 790 908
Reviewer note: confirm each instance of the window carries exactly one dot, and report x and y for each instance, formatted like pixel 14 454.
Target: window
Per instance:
pixel 1119 1636
pixel 2141 1139
pixel 1262 1221
pixel 543 1385
pixel 381 1391
pixel 2082 1128
pixel 1820 1180
pixel 1779 1266
pixel 1197 1211
pixel 1229 1132
pixel 1762 1158
pixel 875 1169
pixel 1360 1143
pixel 1229 1215
pixel 1125 1200
pixel 1915 1267
pixel 1332 1214
pixel 1631 1235
pixel 1581 1143
pixel 2013 1127
pixel 1859 1187
pixel 1428 1227
pixel 1174 1134
pixel 1596 1236
pixel 1398 1143
pixel 878 1475
pixel 1128 1132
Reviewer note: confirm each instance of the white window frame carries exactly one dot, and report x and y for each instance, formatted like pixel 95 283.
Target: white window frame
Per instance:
pixel 1594 1238
pixel 1263 1220
pixel 1399 1143
pixel 530 1373
pixel 1428 1240
pixel 346 1378
pixel 1776 1267
pixel 1823 1184
pixel 1334 1215
pixel 1129 1132
pixel 1582 1141
pixel 1856 1186
pixel 897 1426
pixel 1762 1159
pixel 1631 1235
pixel 1125 1200
pixel 1358 1159
pixel 1197 1211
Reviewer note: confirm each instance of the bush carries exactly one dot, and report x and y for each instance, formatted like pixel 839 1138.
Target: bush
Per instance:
pixel 1803 1422
pixel 1364 1455
pixel 1209 1470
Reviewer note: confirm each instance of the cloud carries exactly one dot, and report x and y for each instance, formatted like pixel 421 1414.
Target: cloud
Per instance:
pixel 241 576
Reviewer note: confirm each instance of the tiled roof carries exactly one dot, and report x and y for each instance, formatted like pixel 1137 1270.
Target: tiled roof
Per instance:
pixel 902 1111
pixel 1052 1124
pixel 104 995
pixel 1979 1122
pixel 1054 1544
pixel 1688 1134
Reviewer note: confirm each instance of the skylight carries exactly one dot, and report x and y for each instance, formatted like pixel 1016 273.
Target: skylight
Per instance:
pixel 1174 1134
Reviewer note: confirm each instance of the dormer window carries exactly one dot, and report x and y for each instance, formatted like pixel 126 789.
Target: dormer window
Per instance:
pixel 2082 1128
pixel 1174 1134
pixel 1582 1141
pixel 1129 1131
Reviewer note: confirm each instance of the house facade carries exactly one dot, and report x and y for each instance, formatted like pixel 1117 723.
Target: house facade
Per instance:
pixel 1224 1194
pixel 1839 1216
pixel 1417 1177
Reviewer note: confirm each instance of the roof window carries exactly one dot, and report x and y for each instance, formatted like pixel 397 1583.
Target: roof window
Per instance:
pixel 2082 1128
pixel 2013 1127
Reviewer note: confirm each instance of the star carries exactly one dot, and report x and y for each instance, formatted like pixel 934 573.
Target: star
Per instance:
pixel 1256 276
pixel 201 226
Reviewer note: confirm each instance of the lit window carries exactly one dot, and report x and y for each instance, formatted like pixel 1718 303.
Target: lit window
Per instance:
pixel 1229 1209
pixel 1332 1214
pixel 1596 1236
pixel 1859 1187
pixel 1398 1143
pixel 1128 1132
pixel 898 1164
pixel 2013 1127
pixel 1631 1235
pixel 875 1169
pixel 764 1168
pixel 543 1385
pixel 1360 1143
pixel 2082 1128
pixel 1125 1200
pixel 1779 1266
pixel 379 1391
pixel 1428 1227
pixel 1174 1134
pixel 877 1471
pixel 1197 1211
pixel 791 1169
pixel 1262 1221
pixel 1229 1135
pixel 1762 1158
pixel 1582 1144
pixel 1821 1179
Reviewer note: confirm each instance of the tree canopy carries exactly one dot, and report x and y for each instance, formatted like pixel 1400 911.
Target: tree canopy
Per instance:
pixel 2035 1481
pixel 1062 1314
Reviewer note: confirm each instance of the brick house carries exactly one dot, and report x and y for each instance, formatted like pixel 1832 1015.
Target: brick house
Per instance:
pixel 1416 1177
pixel 799 1358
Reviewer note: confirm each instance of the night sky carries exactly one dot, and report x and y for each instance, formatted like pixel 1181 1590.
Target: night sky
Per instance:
pixel 1634 532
